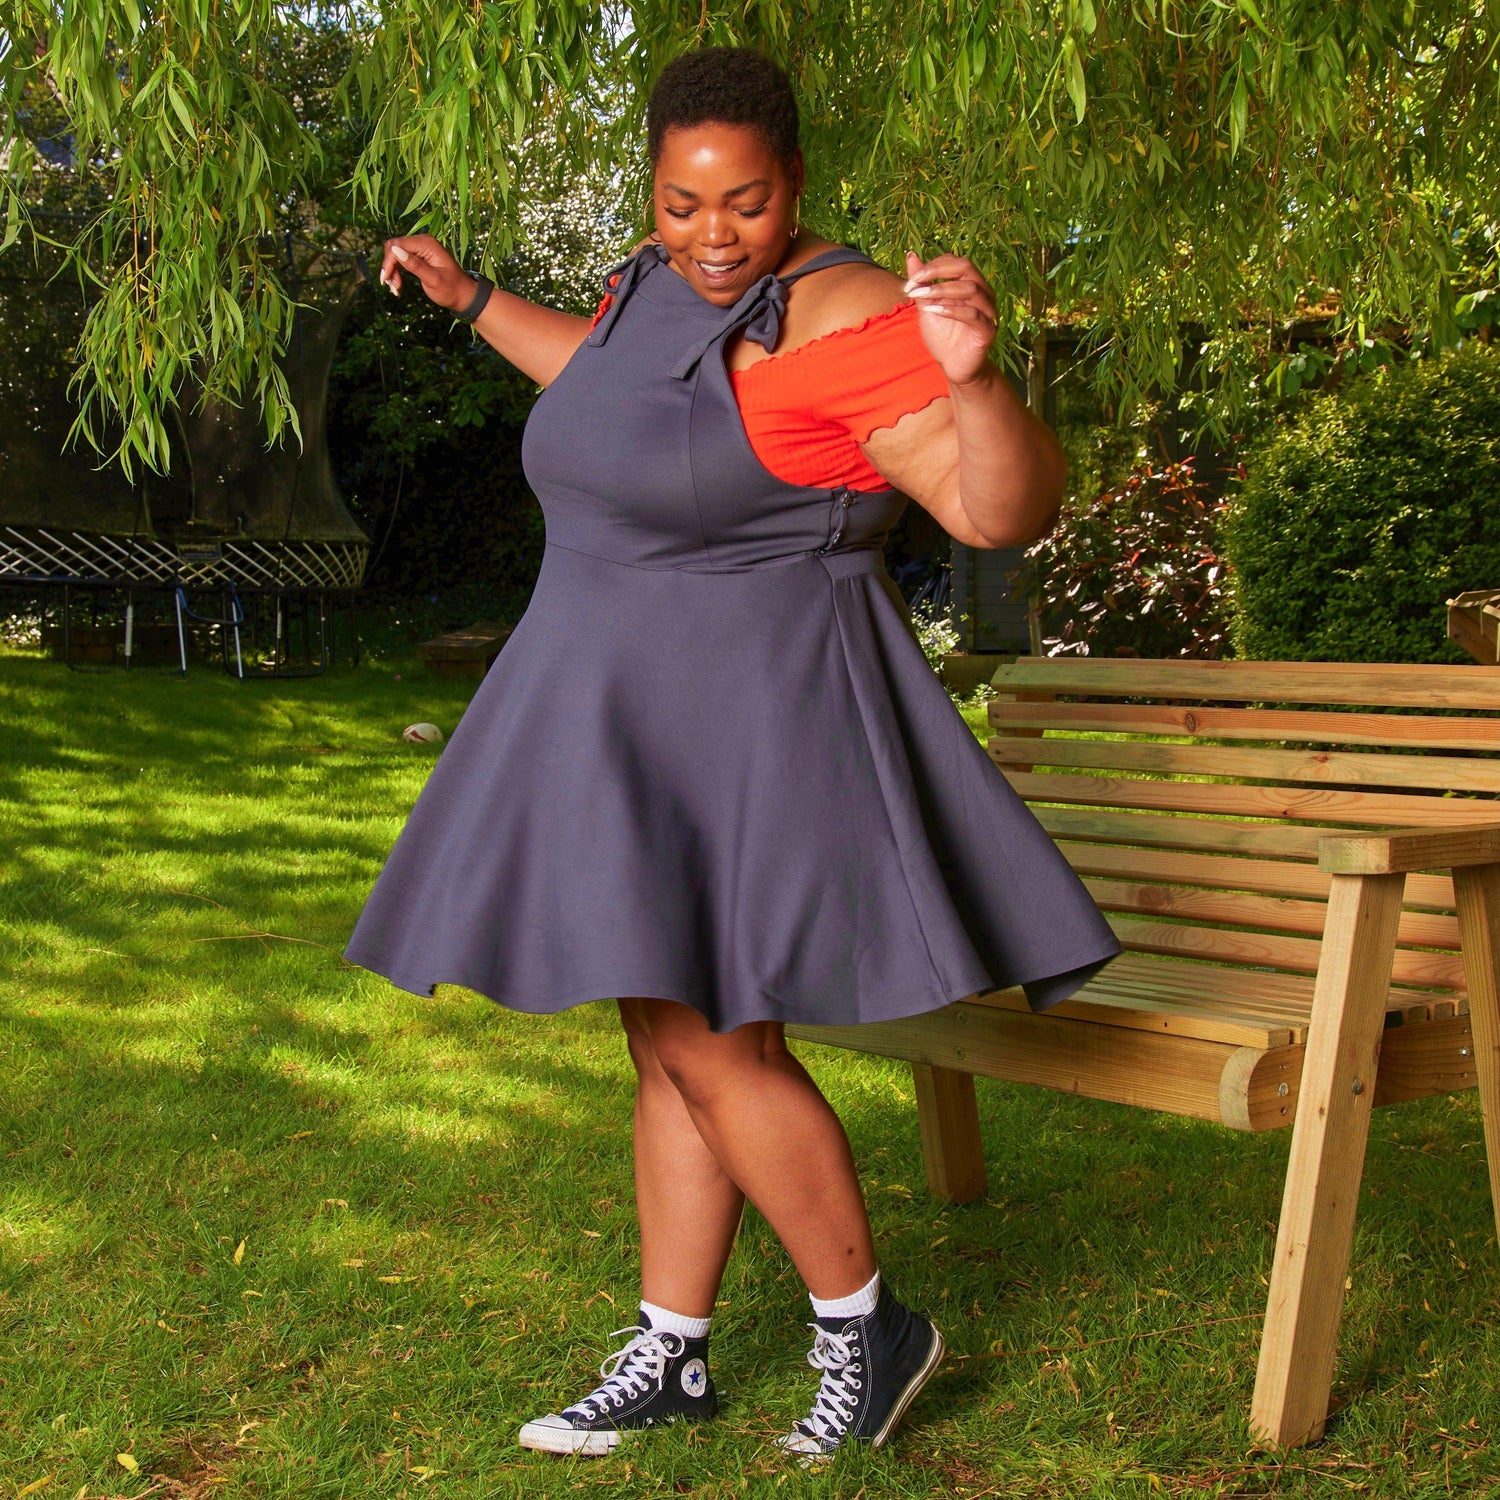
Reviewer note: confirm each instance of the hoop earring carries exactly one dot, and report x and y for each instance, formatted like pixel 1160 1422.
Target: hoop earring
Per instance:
pixel 646 224
pixel 797 217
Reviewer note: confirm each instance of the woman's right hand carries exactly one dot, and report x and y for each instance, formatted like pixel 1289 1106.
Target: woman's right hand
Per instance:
pixel 440 276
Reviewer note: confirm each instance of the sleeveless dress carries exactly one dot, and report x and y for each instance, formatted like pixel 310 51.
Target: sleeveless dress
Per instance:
pixel 712 763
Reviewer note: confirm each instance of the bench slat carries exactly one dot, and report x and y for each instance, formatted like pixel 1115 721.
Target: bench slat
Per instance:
pixel 1233 873
pixel 1277 997
pixel 1414 731
pixel 1243 909
pixel 1313 804
pixel 1251 949
pixel 1254 991
pixel 1367 684
pixel 1435 772
pixel 1157 830
pixel 1144 1012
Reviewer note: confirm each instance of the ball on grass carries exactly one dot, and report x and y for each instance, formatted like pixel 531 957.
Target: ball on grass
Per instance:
pixel 422 734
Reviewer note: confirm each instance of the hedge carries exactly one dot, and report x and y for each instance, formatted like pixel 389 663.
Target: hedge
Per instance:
pixel 1362 515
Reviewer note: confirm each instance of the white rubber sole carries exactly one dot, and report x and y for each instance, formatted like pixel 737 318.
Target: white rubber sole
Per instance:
pixel 542 1437
pixel 913 1387
pixel 809 1457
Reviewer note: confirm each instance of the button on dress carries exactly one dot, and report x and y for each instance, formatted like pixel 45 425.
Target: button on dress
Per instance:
pixel 712 763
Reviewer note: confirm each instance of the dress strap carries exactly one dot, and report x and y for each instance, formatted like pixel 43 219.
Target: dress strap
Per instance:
pixel 836 255
pixel 618 282
pixel 759 310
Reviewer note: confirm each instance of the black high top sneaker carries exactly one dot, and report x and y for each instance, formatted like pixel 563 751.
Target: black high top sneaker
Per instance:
pixel 657 1377
pixel 873 1366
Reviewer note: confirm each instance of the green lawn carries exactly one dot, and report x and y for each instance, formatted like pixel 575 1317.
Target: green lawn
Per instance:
pixel 269 1227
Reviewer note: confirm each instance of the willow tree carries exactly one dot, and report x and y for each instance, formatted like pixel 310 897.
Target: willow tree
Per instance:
pixel 1210 165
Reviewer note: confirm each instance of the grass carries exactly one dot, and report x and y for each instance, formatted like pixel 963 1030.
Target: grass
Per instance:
pixel 269 1227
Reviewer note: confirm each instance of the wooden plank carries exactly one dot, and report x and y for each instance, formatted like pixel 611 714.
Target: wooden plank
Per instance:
pixel 1331 767
pixel 1372 685
pixel 1300 1341
pixel 1436 1057
pixel 1313 804
pixel 1272 877
pixel 1438 849
pixel 1159 831
pixel 1414 966
pixel 1024 734
pixel 1236 907
pixel 1258 1090
pixel 1165 1016
pixel 948 1116
pixel 1258 990
pixel 474 643
pixel 1479 922
pixel 1175 1074
pixel 1474 623
pixel 1413 731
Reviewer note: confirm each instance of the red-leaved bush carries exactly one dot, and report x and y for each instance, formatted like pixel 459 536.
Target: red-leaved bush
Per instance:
pixel 1135 571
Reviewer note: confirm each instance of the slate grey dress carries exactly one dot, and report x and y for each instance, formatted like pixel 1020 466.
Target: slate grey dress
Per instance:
pixel 711 763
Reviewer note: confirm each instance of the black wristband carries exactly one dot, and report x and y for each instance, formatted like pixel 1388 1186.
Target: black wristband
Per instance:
pixel 479 301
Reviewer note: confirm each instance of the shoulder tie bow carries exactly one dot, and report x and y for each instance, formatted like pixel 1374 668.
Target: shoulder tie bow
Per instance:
pixel 759 312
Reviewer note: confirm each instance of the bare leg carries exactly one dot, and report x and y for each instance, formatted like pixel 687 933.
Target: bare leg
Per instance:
pixel 689 1210
pixel 763 1130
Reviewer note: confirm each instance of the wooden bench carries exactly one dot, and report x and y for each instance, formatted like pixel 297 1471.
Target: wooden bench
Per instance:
pixel 467 652
pixel 1277 948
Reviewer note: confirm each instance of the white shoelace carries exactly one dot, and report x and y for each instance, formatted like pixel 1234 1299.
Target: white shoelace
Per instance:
pixel 832 1413
pixel 630 1371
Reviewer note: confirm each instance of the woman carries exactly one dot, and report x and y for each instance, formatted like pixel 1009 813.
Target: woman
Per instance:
pixel 719 456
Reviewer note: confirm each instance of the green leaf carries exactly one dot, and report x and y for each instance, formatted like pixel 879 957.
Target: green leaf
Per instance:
pixel 1239 108
pixel 1073 78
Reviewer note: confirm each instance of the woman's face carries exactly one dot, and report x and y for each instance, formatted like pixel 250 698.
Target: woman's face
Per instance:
pixel 725 207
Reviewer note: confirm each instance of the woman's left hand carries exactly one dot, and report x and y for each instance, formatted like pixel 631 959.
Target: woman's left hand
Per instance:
pixel 958 313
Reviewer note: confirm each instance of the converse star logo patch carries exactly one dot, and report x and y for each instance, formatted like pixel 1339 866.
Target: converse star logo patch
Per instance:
pixel 694 1377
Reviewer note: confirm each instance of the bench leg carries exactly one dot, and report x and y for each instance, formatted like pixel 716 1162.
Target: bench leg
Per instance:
pixel 1478 892
pixel 1295 1374
pixel 949 1117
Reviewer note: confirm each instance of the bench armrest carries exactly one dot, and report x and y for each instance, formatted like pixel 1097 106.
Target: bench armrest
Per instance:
pixel 1410 849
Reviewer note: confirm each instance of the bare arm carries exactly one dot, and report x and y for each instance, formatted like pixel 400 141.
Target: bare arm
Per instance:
pixel 990 472
pixel 537 340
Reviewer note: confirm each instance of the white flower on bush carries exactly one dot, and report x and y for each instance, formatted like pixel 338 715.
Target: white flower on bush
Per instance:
pixel 936 632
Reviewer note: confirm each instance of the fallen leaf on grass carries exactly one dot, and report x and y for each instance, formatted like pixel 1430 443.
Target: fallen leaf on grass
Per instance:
pixel 239 1253
pixel 593 1234
pixel 34 1486
pixel 336 1202
pixel 127 1462
pixel 161 1324
pixel 301 1135
pixel 354 1264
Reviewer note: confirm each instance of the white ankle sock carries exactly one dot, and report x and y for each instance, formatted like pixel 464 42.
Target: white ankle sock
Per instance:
pixel 670 1322
pixel 856 1305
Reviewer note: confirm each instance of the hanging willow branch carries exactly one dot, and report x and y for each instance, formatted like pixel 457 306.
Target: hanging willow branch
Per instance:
pixel 1212 165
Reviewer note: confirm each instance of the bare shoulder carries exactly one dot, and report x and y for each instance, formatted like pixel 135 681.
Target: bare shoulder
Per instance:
pixel 842 297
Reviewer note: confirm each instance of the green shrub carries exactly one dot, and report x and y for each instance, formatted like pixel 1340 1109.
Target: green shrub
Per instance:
pixel 1360 517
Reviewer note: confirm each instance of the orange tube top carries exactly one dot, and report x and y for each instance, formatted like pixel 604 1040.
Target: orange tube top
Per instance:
pixel 807 411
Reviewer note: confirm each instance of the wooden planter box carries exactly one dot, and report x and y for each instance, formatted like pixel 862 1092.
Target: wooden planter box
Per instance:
pixel 963 671
pixel 467 652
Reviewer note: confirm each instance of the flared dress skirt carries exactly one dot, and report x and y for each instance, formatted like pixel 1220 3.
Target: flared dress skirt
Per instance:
pixel 712 763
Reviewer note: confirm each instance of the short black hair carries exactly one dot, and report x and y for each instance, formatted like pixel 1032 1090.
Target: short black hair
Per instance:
pixel 724 86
